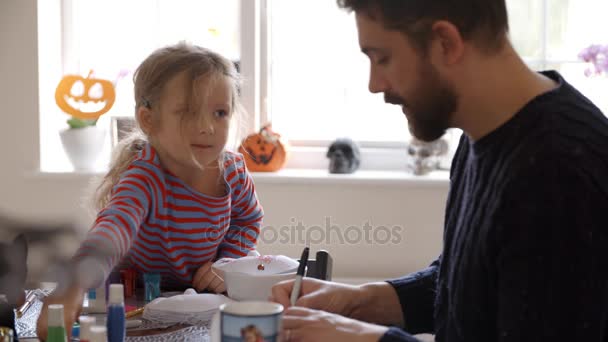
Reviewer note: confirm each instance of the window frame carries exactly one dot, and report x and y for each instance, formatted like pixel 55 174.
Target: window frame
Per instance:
pixel 256 94
pixel 252 68
pixel 545 60
pixel 392 149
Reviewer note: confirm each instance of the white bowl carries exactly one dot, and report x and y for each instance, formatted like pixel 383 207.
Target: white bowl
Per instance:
pixel 257 265
pixel 243 286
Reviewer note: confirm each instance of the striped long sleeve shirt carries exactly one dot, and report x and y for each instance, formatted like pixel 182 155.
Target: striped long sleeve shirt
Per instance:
pixel 154 222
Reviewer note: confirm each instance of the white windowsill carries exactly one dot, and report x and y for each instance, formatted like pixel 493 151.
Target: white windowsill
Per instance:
pixel 361 177
pixel 307 165
pixel 296 176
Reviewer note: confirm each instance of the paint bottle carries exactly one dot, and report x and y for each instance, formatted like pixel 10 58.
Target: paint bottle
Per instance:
pixel 75 330
pixel 7 334
pixel 86 323
pixel 97 300
pixel 151 286
pixel 7 318
pixel 116 314
pixel 128 279
pixel 99 333
pixel 56 326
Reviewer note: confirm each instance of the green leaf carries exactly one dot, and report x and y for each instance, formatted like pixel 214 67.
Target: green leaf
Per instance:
pixel 75 123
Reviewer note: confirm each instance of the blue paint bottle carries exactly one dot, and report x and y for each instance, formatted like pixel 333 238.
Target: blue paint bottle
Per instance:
pixel 116 314
pixel 97 300
pixel 151 286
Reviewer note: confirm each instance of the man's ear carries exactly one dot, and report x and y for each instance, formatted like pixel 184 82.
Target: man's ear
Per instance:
pixel 448 41
pixel 145 119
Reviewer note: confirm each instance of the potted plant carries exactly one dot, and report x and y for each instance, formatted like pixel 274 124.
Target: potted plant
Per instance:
pixel 597 56
pixel 85 99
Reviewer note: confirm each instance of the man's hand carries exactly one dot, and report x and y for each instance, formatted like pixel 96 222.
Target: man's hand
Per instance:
pixel 321 295
pixel 373 302
pixel 206 278
pixel 72 305
pixel 302 324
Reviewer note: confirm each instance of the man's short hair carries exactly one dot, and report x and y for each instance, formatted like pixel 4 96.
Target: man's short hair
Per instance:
pixel 483 22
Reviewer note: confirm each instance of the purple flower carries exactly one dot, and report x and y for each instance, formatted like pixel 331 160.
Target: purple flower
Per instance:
pixel 597 56
pixel 121 74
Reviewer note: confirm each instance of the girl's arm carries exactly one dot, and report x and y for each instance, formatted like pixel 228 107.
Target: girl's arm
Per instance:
pixel 106 243
pixel 116 225
pixel 246 217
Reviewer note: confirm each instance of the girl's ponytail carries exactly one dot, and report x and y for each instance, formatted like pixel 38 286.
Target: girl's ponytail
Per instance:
pixel 122 156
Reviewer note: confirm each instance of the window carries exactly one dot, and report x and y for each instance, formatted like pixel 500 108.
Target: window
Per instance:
pixel 549 34
pixel 319 78
pixel 112 37
pixel 313 71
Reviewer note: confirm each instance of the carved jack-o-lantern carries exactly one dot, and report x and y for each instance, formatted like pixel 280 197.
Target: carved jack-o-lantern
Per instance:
pixel 264 151
pixel 84 98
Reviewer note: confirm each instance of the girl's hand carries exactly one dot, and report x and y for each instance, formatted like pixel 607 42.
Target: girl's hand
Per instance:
pixel 72 305
pixel 205 278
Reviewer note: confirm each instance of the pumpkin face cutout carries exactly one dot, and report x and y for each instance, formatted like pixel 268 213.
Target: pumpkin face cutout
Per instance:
pixel 85 98
pixel 264 151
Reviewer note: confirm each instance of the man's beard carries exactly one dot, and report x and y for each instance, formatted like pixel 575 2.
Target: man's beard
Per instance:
pixel 429 111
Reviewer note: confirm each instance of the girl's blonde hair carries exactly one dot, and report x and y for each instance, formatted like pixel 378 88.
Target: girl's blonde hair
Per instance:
pixel 149 80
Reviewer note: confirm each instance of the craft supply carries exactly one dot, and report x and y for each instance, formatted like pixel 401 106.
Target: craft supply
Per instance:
pixel 6 334
pixel 97 300
pixel 188 308
pixel 86 323
pixel 151 286
pixel 297 285
pixel 116 314
pixel 56 326
pixel 128 280
pixel 30 298
pixel 134 323
pixel 99 333
pixel 7 314
pixel 115 277
pixel 75 330
pixel 134 313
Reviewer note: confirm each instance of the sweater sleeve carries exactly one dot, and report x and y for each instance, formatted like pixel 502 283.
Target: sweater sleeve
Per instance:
pixel 416 294
pixel 116 225
pixel 245 217
pixel 551 256
pixel 397 335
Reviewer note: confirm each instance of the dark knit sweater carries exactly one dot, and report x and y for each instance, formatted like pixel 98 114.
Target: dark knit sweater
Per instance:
pixel 525 255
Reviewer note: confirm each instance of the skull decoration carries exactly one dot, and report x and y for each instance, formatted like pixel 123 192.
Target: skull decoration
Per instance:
pixel 344 156
pixel 425 157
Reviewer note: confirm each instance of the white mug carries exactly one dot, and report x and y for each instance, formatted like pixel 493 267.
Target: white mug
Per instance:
pixel 249 321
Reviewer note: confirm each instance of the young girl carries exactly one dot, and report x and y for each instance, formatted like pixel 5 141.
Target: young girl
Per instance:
pixel 174 199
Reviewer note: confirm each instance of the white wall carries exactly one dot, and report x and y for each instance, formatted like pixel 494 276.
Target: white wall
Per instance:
pixel 417 207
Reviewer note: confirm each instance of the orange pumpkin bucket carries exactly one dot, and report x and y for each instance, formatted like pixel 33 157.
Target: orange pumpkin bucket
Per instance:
pixel 264 151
